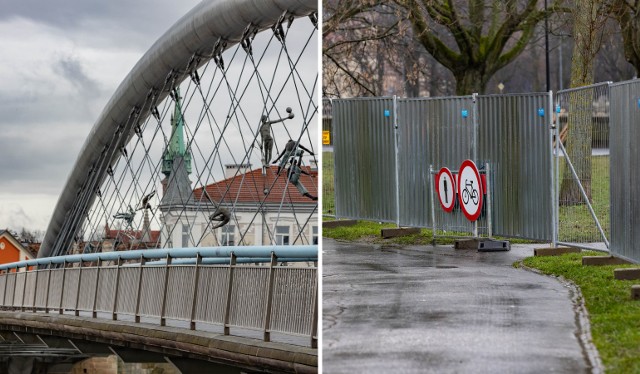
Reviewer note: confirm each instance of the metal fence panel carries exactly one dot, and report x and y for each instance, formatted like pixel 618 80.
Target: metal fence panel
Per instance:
pixel 438 132
pixel 583 126
pixel 514 136
pixel 365 162
pixel 625 181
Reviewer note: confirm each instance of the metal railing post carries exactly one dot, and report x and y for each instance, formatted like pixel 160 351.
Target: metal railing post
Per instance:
pixel 94 312
pixel 314 320
pixel 35 291
pixel 227 308
pixel 64 274
pixel 77 312
pixel 163 321
pixel 114 314
pixel 196 279
pixel 24 290
pixel 142 262
pixel 267 312
pixel 46 300
pixel 4 296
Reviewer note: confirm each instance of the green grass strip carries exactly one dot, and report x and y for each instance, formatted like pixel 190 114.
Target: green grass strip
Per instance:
pixel 615 318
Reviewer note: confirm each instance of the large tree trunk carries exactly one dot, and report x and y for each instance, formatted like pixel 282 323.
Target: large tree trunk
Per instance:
pixel 470 81
pixel 586 32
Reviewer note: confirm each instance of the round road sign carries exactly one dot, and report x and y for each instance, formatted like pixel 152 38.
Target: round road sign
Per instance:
pixel 446 188
pixel 470 190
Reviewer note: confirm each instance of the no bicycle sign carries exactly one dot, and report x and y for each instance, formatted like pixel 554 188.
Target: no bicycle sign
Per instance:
pixel 470 190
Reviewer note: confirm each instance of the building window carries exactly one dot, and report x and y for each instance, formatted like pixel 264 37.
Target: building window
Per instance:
pixel 185 235
pixel 228 238
pixel 314 235
pixel 282 235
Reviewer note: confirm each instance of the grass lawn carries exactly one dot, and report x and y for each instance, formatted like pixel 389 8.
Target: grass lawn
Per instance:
pixel 615 318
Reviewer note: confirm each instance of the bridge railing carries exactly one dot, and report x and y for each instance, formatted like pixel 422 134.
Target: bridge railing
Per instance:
pixel 236 287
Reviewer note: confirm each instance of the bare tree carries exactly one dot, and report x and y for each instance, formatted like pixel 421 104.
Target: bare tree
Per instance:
pixel 627 13
pixel 480 36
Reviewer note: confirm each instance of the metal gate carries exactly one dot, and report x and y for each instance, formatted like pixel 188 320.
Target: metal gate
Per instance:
pixel 582 166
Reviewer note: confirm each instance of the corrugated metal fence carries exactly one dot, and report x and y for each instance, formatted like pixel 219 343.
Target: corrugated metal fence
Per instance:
pixel 365 159
pixel 510 132
pixel 625 178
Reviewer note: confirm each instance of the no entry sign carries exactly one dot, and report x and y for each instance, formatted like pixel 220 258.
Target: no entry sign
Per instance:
pixel 446 188
pixel 470 190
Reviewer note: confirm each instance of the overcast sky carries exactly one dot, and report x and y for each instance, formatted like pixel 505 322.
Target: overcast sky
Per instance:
pixel 60 63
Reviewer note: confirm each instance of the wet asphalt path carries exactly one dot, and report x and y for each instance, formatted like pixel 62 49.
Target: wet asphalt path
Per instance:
pixel 439 310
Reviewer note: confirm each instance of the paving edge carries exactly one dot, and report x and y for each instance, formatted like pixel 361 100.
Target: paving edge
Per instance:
pixel 583 324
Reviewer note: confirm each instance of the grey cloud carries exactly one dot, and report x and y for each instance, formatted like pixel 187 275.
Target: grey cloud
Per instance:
pixel 71 69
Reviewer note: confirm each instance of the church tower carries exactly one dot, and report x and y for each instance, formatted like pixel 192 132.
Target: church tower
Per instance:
pixel 176 147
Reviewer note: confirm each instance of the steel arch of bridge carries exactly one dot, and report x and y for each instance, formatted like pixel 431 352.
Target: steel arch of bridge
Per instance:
pixel 202 34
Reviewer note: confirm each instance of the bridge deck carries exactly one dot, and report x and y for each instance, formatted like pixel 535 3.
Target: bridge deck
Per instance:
pixel 237 351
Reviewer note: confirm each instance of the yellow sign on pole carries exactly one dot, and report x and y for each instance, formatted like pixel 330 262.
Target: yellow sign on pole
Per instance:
pixel 326 137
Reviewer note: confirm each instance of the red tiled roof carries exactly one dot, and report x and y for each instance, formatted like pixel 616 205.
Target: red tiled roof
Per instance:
pixel 125 236
pixel 248 188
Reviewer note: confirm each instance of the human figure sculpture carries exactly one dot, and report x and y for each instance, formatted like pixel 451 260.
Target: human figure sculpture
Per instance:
pixel 222 216
pixel 294 178
pixel 291 149
pixel 267 139
pixel 126 216
pixel 144 203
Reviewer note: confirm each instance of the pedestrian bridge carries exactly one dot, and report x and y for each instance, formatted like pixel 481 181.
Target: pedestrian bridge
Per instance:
pixel 245 307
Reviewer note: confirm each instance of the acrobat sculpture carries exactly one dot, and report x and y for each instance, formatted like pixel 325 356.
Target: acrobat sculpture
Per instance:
pixel 267 139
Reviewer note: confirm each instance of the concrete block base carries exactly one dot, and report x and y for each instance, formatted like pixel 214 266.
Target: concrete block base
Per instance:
pixel 494 246
pixel 339 223
pixel 472 243
pixel 393 233
pixel 635 292
pixel 555 251
pixel 626 274
pixel 602 260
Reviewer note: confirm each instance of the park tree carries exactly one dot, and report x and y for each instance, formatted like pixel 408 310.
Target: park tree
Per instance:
pixel 475 38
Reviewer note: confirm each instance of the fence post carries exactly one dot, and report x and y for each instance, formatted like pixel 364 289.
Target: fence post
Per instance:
pixel 267 314
pixel 555 176
pixel 227 308
pixel 433 207
pixel 77 312
pixel 163 321
pixel 314 320
pixel 196 278
pixel 142 262
pixel 94 313
pixel 487 178
pixel 395 144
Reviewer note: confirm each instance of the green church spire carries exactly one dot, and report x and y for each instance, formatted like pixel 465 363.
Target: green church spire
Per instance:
pixel 176 147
